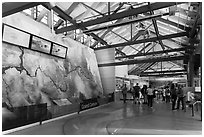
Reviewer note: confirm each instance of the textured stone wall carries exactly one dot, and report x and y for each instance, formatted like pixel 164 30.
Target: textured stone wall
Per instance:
pixel 30 77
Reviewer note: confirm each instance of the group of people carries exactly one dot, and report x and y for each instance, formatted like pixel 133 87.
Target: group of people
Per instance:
pixel 147 93
pixel 177 96
pixel 174 94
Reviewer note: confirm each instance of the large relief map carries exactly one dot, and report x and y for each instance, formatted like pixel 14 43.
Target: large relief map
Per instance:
pixel 30 77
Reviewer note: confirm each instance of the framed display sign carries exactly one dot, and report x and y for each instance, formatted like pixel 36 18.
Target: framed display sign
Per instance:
pixel 24 39
pixel 14 36
pixel 59 50
pixel 40 44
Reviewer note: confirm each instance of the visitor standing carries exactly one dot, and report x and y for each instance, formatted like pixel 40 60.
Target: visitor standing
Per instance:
pixel 124 92
pixel 168 94
pixel 137 94
pixel 180 97
pixel 150 97
pixel 144 93
pixel 163 94
pixel 173 96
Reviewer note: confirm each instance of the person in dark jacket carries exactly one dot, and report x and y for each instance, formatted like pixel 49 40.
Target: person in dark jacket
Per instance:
pixel 180 97
pixel 124 92
pixel 144 93
pixel 168 94
pixel 173 96
pixel 137 94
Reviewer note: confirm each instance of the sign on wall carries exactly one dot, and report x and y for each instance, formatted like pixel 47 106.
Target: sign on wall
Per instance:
pixel 22 38
pixel 89 103
pixel 15 36
pixel 59 50
pixel 40 44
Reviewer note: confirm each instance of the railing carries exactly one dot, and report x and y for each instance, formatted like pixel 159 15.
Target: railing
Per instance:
pixel 195 104
pixel 25 115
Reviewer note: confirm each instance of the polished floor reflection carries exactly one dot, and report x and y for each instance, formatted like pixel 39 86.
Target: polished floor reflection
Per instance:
pixel 119 118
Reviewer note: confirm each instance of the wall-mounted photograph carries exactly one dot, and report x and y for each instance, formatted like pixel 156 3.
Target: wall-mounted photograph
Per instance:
pixel 59 51
pixel 40 44
pixel 14 36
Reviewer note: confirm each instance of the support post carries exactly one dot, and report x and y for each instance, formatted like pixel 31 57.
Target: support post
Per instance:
pixel 190 77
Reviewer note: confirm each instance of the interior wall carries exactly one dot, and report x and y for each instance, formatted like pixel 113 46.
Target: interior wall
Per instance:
pixel 121 71
pixel 107 73
pixel 30 77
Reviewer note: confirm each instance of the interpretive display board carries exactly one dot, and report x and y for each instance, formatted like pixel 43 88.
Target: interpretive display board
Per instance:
pixel 89 103
pixel 31 77
pixel 25 39
pixel 59 51
pixel 40 44
pixel 15 36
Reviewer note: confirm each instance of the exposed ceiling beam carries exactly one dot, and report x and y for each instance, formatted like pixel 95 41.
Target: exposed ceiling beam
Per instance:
pixel 151 53
pixel 104 34
pixel 172 40
pixel 139 61
pixel 153 39
pixel 63 15
pixel 135 71
pixel 107 18
pixel 68 11
pixel 126 22
pixel 42 14
pixel 9 8
pixel 163 75
pixel 180 26
pixel 155 26
pixel 169 71
pixel 92 9
pixel 149 66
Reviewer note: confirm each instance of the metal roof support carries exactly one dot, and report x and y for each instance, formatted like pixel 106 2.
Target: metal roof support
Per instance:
pixel 120 15
pixel 148 60
pixel 63 15
pixel 151 65
pixel 140 32
pixel 9 8
pixel 119 7
pixel 151 53
pixel 155 26
pixel 125 23
pixel 68 11
pixel 124 39
pixel 42 14
pixel 135 71
pixel 153 39
pixel 92 9
pixel 168 71
pixel 119 35
pixel 180 26
pixel 162 75
pixel 152 47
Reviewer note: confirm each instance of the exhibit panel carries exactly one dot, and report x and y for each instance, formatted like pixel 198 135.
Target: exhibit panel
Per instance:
pixel 31 77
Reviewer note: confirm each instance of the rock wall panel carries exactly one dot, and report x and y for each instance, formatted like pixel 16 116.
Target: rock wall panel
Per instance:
pixel 30 77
